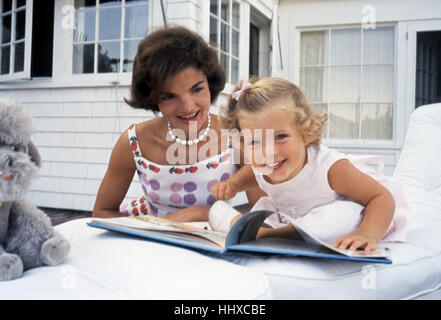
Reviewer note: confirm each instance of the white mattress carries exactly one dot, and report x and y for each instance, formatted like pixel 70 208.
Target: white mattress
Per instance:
pixel 416 268
pixel 106 265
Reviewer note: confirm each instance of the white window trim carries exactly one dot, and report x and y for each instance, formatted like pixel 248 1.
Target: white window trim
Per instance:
pixel 241 30
pixel 412 31
pixel 26 73
pixel 356 143
pixel 92 79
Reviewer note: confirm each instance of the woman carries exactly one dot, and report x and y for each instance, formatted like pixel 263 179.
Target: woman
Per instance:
pixel 177 74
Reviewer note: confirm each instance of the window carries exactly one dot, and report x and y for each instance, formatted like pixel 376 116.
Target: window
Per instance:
pixel 349 73
pixel 26 39
pixel 106 34
pixel 224 35
pixel 13 35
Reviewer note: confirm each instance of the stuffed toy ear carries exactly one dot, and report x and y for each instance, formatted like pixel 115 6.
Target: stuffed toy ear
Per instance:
pixel 34 154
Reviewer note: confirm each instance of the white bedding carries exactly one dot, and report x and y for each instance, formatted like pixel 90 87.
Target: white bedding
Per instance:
pixel 105 265
pixel 416 268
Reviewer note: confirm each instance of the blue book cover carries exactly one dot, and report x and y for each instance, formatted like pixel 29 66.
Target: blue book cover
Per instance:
pixel 240 238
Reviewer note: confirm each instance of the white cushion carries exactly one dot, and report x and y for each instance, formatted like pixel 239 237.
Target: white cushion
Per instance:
pixel 419 167
pixel 416 268
pixel 107 265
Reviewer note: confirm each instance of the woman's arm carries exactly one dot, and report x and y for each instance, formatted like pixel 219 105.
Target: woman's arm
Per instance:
pixel 347 180
pixel 116 181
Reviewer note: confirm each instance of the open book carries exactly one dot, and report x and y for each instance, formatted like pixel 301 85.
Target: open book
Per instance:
pixel 241 237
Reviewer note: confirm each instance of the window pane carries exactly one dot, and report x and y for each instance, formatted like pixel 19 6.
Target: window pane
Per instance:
pixel 136 22
pixel 19 57
pixel 314 83
pixel 314 48
pixel 130 49
pixel 20 25
pixel 6 29
pixel 108 57
pixel 343 121
pixel 344 85
pixel 108 3
pixel 345 47
pixel 84 26
pixel 7 5
pixel 110 24
pixel 377 121
pixel 225 37
pixel 236 14
pixel 225 10
pixel 83 57
pixel 235 43
pixel 213 32
pixel 224 61
pixel 214 7
pixel 81 4
pixel 234 71
pixel 378 46
pixel 21 3
pixel 378 84
pixel 4 59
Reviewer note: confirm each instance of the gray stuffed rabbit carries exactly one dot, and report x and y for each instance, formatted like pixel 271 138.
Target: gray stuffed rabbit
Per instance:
pixel 27 238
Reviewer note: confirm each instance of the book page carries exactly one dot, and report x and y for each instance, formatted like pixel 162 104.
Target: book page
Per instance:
pixel 309 236
pixel 162 225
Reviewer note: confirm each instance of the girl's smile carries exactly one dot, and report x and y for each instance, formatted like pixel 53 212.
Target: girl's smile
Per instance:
pixel 276 146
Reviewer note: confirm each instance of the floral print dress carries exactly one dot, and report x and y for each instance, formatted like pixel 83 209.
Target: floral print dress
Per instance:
pixel 169 188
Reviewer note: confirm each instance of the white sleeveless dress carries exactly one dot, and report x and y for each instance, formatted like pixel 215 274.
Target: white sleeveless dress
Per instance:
pixel 309 199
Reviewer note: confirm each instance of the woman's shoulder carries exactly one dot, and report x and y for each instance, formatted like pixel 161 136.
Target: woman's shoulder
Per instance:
pixel 147 127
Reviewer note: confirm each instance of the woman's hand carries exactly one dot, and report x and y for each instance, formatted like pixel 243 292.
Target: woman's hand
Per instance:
pixel 224 190
pixel 357 240
pixel 189 214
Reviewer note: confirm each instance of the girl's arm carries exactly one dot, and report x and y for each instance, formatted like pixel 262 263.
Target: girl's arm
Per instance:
pixel 242 180
pixel 348 181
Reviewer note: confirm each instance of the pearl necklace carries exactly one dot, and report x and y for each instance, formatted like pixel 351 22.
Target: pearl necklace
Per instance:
pixel 190 142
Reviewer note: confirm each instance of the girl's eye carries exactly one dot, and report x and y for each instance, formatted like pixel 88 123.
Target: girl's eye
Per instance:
pixel 281 136
pixel 254 143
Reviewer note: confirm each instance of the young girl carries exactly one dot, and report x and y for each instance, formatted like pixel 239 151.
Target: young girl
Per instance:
pixel 333 195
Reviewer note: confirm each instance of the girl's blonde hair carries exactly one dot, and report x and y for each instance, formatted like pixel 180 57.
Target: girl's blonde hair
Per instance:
pixel 264 93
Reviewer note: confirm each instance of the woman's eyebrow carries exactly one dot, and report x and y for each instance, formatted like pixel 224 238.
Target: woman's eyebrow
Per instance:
pixel 197 84
pixel 194 86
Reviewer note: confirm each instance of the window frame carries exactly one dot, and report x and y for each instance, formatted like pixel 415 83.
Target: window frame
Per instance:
pixel 377 143
pixel 115 78
pixel 26 73
pixel 231 27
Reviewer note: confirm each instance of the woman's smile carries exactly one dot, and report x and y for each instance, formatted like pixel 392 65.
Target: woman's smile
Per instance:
pixel 195 116
pixel 185 100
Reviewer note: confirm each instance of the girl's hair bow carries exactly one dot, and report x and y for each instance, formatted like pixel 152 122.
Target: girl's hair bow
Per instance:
pixel 245 86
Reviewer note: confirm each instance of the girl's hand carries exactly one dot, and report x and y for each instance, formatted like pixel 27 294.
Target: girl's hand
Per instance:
pixel 224 190
pixel 357 240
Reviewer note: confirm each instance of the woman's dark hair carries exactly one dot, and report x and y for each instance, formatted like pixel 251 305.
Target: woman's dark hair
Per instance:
pixel 164 53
